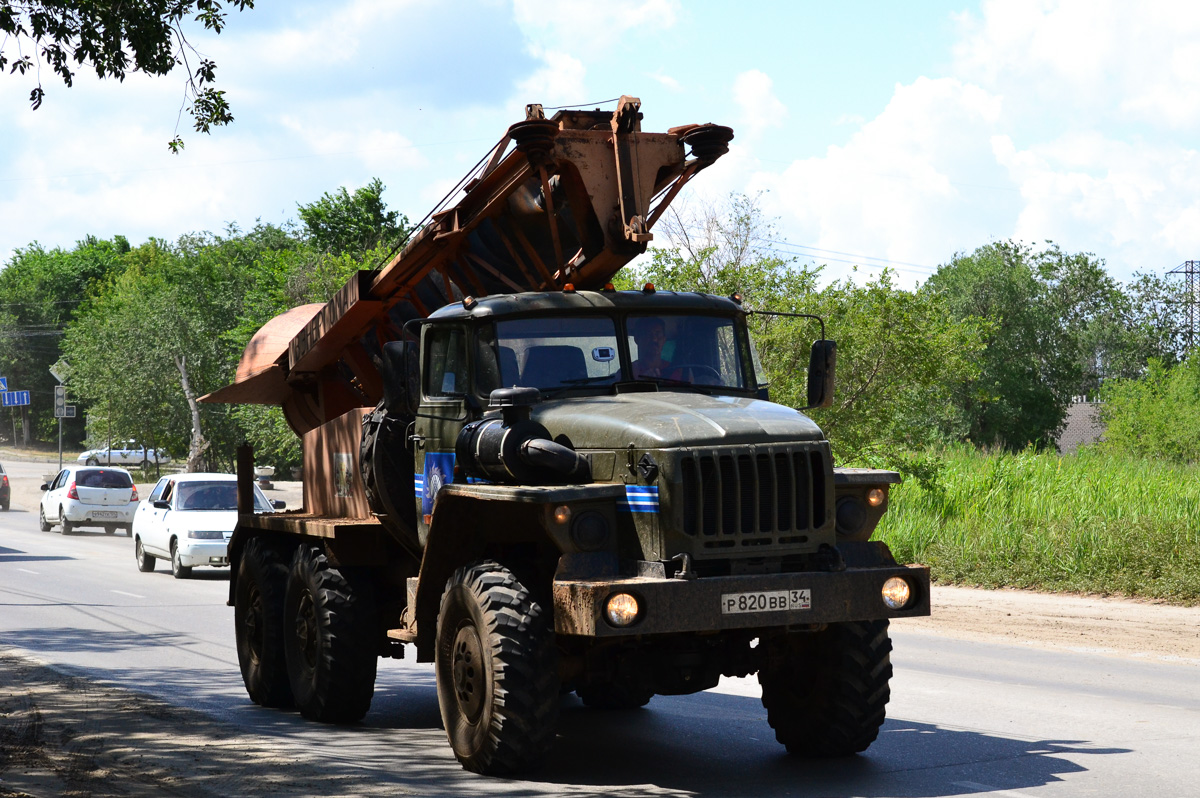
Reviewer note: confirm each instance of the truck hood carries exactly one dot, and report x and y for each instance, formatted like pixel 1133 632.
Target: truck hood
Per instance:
pixel 663 420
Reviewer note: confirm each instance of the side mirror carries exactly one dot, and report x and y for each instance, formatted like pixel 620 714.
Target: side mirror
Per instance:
pixel 45 486
pixel 400 369
pixel 279 504
pixel 821 366
pixel 162 505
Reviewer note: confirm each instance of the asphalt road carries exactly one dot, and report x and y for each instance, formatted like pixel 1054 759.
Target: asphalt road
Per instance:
pixel 965 718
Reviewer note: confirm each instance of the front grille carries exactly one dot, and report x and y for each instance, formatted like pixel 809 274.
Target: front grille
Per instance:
pixel 743 499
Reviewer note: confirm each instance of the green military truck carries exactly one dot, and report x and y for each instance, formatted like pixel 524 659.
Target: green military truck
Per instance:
pixel 545 485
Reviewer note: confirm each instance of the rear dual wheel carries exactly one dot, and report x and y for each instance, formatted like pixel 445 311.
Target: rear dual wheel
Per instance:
pixel 331 643
pixel 258 621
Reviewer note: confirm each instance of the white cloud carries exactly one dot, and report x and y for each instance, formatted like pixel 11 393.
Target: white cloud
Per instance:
pixel 588 27
pixel 893 190
pixel 755 98
pixel 1105 58
pixel 560 81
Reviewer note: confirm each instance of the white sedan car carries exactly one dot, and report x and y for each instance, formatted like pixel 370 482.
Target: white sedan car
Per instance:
pixel 188 520
pixel 126 454
pixel 103 497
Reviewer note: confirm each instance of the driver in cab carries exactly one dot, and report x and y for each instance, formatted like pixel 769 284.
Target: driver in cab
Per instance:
pixel 650 334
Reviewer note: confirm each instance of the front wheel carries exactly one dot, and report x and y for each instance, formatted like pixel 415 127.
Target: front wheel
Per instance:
pixel 145 562
pixel 331 641
pixel 258 622
pixel 826 692
pixel 178 569
pixel 497 671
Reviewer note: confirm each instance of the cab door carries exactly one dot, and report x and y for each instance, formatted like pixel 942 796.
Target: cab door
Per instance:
pixel 444 408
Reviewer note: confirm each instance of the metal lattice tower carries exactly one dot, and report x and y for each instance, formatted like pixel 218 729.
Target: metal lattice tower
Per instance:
pixel 1190 269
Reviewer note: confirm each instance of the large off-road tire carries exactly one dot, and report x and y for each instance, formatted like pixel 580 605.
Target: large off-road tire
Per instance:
pixel 178 569
pixel 259 624
pixel 331 639
pixel 614 695
pixel 497 671
pixel 826 692
pixel 42 522
pixel 145 562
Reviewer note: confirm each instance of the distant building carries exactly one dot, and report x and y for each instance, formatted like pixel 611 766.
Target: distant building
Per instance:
pixel 1083 424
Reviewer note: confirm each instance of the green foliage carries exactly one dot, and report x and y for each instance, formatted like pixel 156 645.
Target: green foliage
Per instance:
pixel 1156 417
pixel 1094 522
pixel 115 39
pixel 40 291
pixel 342 223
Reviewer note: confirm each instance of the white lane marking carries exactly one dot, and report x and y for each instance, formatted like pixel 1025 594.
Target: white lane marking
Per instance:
pixel 26 570
pixel 974 785
pixel 131 595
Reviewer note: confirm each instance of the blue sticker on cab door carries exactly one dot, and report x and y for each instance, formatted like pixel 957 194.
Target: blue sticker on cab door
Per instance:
pixel 439 471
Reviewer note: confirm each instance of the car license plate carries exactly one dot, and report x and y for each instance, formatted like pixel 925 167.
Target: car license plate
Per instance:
pixel 101 514
pixel 766 601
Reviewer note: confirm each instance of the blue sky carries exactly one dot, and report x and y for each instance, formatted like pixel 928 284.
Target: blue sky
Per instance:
pixel 877 132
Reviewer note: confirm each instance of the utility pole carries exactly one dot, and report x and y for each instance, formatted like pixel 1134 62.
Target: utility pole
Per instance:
pixel 1190 269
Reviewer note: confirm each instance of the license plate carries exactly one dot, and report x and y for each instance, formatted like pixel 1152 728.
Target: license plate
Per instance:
pixel 766 601
pixel 103 515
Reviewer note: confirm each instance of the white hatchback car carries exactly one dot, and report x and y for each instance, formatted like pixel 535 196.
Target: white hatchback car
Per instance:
pixel 188 520
pixel 126 454
pixel 103 497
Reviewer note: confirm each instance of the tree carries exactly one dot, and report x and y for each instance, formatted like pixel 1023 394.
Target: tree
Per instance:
pixel 114 39
pixel 40 291
pixel 342 223
pixel 1156 416
pixel 1030 366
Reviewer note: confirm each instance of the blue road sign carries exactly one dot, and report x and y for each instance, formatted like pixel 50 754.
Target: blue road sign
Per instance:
pixel 3 383
pixel 15 398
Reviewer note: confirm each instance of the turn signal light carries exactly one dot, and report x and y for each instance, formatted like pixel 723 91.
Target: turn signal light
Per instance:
pixel 875 497
pixel 72 493
pixel 134 497
pixel 648 288
pixel 569 288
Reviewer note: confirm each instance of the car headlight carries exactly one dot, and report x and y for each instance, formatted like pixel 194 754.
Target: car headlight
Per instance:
pixel 896 593
pixel 622 609
pixel 206 534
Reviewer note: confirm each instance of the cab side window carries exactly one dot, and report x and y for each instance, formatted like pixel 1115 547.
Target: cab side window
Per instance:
pixel 446 373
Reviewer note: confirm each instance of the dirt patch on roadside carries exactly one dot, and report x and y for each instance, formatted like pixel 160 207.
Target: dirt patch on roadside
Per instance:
pixel 65 736
pixel 1111 626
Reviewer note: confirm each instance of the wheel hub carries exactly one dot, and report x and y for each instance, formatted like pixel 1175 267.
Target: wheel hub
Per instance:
pixel 306 630
pixel 467 672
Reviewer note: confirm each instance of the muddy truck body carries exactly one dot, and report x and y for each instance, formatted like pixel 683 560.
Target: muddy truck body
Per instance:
pixel 542 485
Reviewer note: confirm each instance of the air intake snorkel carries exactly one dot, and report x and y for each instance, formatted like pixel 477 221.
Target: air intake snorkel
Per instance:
pixel 513 448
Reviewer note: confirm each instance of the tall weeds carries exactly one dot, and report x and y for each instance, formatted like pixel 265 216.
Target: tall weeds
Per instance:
pixel 1090 522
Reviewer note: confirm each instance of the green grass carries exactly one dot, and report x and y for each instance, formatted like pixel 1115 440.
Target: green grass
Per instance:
pixel 1089 522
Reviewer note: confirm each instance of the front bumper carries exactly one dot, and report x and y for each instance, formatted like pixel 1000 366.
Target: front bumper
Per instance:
pixel 193 553
pixel 676 605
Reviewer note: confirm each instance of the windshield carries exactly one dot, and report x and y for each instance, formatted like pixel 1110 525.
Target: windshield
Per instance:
pixel 691 350
pixel 220 495
pixel 555 352
pixel 559 352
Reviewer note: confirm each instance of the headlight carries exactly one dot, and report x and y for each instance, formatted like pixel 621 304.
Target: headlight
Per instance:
pixel 622 609
pixel 851 515
pixel 896 593
pixel 205 534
